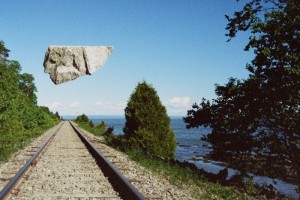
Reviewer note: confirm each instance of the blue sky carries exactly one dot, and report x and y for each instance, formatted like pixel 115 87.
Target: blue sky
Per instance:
pixel 177 46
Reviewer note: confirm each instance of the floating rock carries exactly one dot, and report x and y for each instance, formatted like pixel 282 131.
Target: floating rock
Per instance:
pixel 66 63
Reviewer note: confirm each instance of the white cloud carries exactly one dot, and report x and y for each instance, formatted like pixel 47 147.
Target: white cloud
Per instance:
pixel 109 105
pixel 178 105
pixel 74 105
pixel 55 105
pixel 99 103
pixel 108 108
pixel 179 102
pixel 122 105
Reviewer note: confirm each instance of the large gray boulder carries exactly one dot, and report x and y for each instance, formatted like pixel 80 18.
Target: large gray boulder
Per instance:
pixel 66 63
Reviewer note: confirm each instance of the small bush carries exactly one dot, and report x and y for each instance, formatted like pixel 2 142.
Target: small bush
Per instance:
pixel 147 126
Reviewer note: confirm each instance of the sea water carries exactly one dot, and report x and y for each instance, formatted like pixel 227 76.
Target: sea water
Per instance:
pixel 189 143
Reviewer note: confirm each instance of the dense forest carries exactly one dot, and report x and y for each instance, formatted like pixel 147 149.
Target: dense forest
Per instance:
pixel 21 119
pixel 256 122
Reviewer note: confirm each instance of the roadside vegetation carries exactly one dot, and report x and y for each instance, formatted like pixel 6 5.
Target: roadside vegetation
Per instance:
pixel 181 176
pixel 144 144
pixel 256 122
pixel 147 126
pixel 97 129
pixel 21 119
pixel 149 140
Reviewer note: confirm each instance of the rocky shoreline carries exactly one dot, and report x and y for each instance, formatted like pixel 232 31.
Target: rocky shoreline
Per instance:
pixel 281 169
pixel 262 187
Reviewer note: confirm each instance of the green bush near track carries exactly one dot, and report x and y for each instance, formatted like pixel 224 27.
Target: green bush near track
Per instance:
pixel 199 187
pixel 21 119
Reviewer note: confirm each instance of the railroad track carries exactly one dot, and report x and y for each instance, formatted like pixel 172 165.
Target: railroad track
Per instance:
pixel 69 166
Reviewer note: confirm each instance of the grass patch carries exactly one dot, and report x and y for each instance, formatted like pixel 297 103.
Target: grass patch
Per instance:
pixel 185 178
pixel 92 129
pixel 84 122
pixel 13 142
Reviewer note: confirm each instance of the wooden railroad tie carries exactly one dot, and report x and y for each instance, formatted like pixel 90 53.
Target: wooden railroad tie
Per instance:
pixel 30 150
pixel 123 168
pixel 117 161
pixel 153 197
pixel 5 178
pixel 110 156
pixel 135 180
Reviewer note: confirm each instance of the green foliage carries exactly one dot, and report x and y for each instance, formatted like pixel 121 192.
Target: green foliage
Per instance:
pixel 180 176
pixel 85 123
pixel 82 118
pixel 260 115
pixel 27 86
pixel 48 114
pixel 4 52
pixel 57 115
pixel 21 119
pixel 102 125
pixel 250 187
pixel 147 125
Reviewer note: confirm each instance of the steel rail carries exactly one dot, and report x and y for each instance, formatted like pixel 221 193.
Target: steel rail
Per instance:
pixel 119 182
pixel 6 190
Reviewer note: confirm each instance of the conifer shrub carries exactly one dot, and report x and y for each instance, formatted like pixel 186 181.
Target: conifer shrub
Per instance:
pixel 82 118
pixel 101 125
pixel 97 129
pixel 147 126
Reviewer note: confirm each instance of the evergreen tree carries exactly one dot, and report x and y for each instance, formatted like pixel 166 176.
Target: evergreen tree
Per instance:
pixel 147 126
pixel 4 52
pixel 57 115
pixel 26 84
pixel 82 118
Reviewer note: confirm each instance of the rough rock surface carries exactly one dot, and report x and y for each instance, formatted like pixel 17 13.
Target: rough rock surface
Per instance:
pixel 66 63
